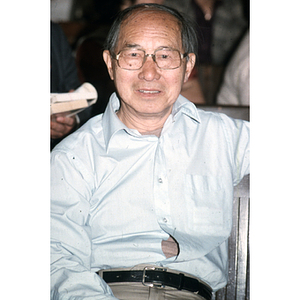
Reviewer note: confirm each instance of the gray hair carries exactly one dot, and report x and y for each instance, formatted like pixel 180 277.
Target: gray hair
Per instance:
pixel 188 33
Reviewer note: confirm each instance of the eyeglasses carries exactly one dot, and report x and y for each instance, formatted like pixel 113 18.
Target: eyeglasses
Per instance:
pixel 166 59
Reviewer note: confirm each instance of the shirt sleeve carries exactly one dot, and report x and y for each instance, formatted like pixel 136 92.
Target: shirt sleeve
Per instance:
pixel 238 136
pixel 71 274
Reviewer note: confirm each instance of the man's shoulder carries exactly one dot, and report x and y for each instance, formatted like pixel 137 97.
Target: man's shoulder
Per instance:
pixel 210 116
pixel 220 121
pixel 221 114
pixel 88 135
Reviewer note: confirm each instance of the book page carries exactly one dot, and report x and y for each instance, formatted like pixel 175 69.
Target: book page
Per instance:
pixel 80 99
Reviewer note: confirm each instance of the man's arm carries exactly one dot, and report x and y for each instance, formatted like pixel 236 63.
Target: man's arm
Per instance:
pixel 238 136
pixel 71 274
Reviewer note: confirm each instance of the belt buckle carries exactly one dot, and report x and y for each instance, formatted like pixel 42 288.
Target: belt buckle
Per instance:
pixel 152 284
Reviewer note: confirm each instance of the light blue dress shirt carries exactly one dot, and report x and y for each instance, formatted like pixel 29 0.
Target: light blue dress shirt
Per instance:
pixel 116 194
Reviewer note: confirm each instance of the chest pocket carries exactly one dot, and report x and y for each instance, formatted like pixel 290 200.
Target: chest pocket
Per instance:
pixel 207 205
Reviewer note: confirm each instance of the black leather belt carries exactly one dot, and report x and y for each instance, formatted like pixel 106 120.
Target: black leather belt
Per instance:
pixel 158 277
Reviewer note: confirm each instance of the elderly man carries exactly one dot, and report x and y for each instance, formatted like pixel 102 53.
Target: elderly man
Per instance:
pixel 142 194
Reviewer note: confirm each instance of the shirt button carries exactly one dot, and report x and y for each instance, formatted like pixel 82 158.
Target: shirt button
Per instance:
pixel 160 180
pixel 165 220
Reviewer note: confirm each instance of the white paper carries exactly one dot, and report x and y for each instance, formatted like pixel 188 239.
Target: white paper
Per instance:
pixel 85 91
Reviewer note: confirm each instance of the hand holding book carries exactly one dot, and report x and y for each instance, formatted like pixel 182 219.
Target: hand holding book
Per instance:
pixel 61 125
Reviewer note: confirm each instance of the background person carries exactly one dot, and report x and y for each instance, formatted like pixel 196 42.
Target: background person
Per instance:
pixel 64 79
pixel 235 88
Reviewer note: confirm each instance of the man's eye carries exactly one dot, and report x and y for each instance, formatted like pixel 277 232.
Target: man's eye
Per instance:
pixel 163 56
pixel 133 54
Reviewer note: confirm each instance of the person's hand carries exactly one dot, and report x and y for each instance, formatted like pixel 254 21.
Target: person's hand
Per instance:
pixel 61 125
pixel 170 247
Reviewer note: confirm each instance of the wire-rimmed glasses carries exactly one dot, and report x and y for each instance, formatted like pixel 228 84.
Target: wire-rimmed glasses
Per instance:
pixel 133 59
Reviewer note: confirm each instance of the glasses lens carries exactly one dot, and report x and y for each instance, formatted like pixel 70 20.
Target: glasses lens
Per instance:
pixel 168 59
pixel 131 59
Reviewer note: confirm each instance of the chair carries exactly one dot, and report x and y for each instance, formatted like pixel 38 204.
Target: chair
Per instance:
pixel 238 287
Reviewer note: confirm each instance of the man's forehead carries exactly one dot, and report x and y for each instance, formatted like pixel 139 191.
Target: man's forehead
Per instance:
pixel 149 15
pixel 159 23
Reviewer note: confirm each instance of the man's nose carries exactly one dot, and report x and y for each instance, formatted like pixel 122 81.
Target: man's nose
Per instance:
pixel 149 70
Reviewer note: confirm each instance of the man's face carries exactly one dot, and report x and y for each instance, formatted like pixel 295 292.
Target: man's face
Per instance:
pixel 149 90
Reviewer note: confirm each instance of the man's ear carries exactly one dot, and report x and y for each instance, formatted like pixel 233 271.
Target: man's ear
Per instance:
pixel 189 66
pixel 108 62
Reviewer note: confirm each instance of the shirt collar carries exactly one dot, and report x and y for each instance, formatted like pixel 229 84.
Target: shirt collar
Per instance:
pixel 184 106
pixel 112 124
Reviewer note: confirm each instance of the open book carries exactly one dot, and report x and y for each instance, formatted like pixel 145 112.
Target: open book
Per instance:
pixel 74 102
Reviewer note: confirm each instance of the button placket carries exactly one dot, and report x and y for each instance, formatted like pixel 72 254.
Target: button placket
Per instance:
pixel 161 195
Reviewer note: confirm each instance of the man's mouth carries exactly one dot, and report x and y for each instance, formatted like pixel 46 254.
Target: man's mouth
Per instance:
pixel 149 92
